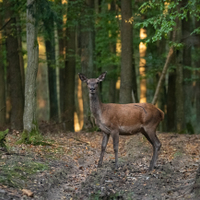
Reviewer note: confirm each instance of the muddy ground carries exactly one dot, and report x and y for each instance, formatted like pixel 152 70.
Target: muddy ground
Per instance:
pixel 67 169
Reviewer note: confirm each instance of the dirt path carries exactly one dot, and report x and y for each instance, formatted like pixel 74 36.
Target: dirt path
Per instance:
pixel 68 170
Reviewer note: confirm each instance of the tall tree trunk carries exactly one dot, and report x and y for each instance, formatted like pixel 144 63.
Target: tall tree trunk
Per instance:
pixel 2 79
pixel 179 82
pixel 60 31
pixel 179 95
pixel 51 63
pixel 87 65
pixel 70 64
pixel 16 94
pixel 113 68
pixel 187 73
pixel 21 59
pixel 126 85
pixel 171 101
pixel 29 118
pixel 197 90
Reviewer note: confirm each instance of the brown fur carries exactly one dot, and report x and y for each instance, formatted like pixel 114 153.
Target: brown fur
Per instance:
pixel 123 119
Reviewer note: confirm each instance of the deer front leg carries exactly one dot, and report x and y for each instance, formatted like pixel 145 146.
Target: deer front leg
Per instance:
pixel 103 148
pixel 115 136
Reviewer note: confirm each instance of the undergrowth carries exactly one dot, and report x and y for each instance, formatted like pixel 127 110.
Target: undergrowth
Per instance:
pixel 15 174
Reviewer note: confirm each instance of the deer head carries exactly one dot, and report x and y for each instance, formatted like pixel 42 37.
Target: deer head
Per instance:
pixel 92 83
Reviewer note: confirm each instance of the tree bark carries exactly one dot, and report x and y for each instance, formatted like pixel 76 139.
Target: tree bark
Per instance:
pixel 113 68
pixel 187 73
pixel 126 85
pixel 87 65
pixel 2 80
pixel 197 87
pixel 171 102
pixel 70 63
pixel 179 95
pixel 21 59
pixel 29 118
pixel 14 71
pixel 60 32
pixel 180 125
pixel 51 63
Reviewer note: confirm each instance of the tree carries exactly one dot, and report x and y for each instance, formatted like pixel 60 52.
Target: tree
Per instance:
pixel 14 71
pixel 126 85
pixel 87 56
pixel 187 72
pixel 60 32
pixel 70 63
pixel 29 118
pixel 51 63
pixel 2 78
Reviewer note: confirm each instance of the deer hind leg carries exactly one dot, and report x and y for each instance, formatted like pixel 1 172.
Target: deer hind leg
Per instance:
pixel 103 148
pixel 115 136
pixel 152 138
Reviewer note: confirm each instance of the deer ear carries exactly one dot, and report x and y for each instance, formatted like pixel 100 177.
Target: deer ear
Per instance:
pixel 102 77
pixel 82 77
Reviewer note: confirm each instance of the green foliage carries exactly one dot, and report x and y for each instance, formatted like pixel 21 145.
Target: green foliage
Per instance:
pixel 3 137
pixel 161 15
pixel 34 137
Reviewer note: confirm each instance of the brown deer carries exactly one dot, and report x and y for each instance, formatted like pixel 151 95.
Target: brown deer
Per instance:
pixel 123 119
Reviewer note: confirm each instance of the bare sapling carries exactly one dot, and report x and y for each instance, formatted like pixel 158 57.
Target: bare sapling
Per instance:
pixel 123 119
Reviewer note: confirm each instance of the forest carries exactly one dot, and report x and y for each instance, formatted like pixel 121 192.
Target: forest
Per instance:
pixel 151 53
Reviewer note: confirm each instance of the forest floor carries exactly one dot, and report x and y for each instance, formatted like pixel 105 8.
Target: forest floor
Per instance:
pixel 67 169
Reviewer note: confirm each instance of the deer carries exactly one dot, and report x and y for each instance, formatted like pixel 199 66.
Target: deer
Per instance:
pixel 123 119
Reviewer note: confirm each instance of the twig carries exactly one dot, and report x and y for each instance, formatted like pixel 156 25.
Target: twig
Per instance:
pixel 80 140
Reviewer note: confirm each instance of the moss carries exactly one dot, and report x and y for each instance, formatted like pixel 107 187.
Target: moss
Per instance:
pixel 33 137
pixel 190 128
pixel 16 175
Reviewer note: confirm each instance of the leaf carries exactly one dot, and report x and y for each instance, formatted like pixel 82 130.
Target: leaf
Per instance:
pixel 28 193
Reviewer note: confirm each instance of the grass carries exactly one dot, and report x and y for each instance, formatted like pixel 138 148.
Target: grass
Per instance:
pixel 15 173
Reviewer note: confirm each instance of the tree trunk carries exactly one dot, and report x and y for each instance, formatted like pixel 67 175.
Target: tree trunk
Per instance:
pixel 87 48
pixel 179 82
pixel 187 73
pixel 2 80
pixel 171 101
pixel 197 87
pixel 21 59
pixel 14 71
pixel 29 118
pixel 126 85
pixel 179 95
pixel 60 32
pixel 70 63
pixel 113 68
pixel 51 63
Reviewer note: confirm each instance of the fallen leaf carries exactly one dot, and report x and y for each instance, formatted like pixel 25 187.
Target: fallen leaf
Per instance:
pixel 27 192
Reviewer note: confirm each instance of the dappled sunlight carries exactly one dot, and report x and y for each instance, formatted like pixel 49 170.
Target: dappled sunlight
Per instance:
pixel 142 51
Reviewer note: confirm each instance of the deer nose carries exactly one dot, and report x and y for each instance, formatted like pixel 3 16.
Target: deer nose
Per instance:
pixel 92 89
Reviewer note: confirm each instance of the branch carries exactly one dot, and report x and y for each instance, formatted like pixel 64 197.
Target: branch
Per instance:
pixel 5 24
pixel 171 51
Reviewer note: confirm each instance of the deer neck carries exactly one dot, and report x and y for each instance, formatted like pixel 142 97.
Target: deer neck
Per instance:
pixel 95 106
